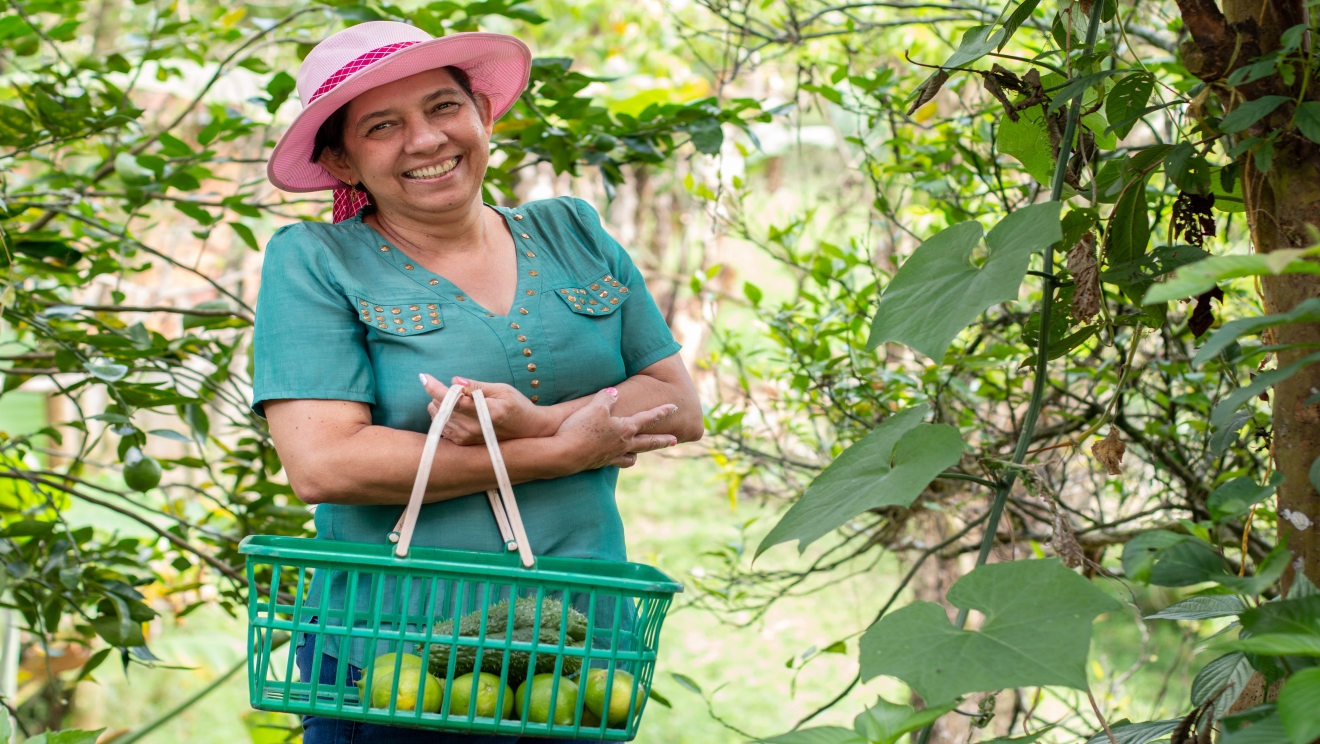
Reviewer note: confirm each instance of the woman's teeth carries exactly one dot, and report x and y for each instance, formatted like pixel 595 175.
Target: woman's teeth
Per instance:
pixel 431 171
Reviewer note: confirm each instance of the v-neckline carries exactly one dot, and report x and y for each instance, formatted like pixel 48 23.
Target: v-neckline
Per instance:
pixel 447 289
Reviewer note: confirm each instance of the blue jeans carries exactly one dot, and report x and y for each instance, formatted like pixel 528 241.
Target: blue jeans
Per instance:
pixel 322 730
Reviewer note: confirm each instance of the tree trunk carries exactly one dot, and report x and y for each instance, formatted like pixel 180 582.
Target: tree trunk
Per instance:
pixel 1282 203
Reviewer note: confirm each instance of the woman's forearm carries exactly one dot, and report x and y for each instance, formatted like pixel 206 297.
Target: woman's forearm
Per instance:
pixel 377 465
pixel 665 382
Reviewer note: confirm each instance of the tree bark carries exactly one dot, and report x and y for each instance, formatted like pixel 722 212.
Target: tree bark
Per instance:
pixel 1282 203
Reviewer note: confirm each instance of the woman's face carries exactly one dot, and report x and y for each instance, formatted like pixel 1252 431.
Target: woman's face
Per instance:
pixel 420 145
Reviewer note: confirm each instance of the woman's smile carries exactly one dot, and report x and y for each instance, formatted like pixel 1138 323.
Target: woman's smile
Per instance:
pixel 433 172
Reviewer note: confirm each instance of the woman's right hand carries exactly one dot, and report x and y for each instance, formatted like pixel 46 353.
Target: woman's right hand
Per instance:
pixel 593 438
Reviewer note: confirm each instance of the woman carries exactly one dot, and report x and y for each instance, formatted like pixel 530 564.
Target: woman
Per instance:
pixel 536 306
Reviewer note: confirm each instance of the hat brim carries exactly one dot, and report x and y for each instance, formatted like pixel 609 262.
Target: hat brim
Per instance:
pixel 499 66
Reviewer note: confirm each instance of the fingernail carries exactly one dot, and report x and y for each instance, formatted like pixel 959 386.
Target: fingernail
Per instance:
pixel 462 381
pixel 673 441
pixel 614 393
pixel 425 378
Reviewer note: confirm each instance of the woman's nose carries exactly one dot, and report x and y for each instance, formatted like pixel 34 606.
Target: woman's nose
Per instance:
pixel 424 138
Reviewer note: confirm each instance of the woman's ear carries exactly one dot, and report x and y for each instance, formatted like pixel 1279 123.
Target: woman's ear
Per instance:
pixel 339 166
pixel 486 109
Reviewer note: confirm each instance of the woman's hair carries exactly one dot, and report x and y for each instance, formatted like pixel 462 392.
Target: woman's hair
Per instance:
pixel 331 134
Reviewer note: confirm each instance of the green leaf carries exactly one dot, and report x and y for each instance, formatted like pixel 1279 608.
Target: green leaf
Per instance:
pixel 1300 616
pixel 886 722
pixel 130 172
pixel 1027 140
pixel 245 234
pixel 938 291
pixel 1194 279
pixel 1201 608
pixel 1307 311
pixel 655 695
pixel 108 371
pixel 820 735
pixel 977 42
pixel 1267 730
pixel 707 135
pixel 687 683
pixel 1019 16
pixel 890 466
pixel 1126 98
pixel 1037 631
pixel 1250 112
pixel 1141 551
pixel 1308 120
pixel 1299 706
pixel 67 736
pixel 1279 644
pixel 1129 226
pixel 1136 733
pixel 1078 86
pixel 1222 680
pixel 1187 169
pixel 1238 495
pixel 1186 563
pixel 1264 381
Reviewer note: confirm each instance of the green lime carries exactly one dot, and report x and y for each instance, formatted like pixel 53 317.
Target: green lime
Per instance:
pixel 488 691
pixel 604 143
pixel 142 474
pixel 409 682
pixel 539 711
pixel 620 694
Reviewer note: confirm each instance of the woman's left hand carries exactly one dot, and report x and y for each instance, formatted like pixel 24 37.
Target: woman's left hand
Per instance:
pixel 513 415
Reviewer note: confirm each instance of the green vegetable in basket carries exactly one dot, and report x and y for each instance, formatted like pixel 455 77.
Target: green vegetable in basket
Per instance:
pixel 524 629
pixel 620 694
pixel 488 691
pixel 410 680
pixel 539 710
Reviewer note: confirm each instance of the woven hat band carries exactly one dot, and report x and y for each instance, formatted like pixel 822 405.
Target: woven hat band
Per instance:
pixel 356 64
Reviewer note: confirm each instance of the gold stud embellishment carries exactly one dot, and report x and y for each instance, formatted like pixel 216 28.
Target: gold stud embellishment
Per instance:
pixel 531 368
pixel 529 254
pixel 527 352
pixel 590 310
pixel 395 310
pixel 577 306
pixel 490 315
pixel 460 298
pixel 535 398
pixel 522 310
pixel 608 278
pixel 385 248
pixel 416 318
pixel 433 282
pixel 525 235
pixel 623 290
pixel 380 325
pixel 614 300
pixel 414 308
pixel 435 314
pixel 362 302
pixel 536 383
pixel 408 267
pixel 595 287
pixel 593 302
pixel 401 329
pixel 532 273
pixel 418 327
pixel 380 317
pixel 431 306
pixel 603 294
pixel 514 326
pixel 380 309
pixel 434 321
pixel 521 337
pixel 563 291
pixel 398 320
pixel 517 217
pixel 531 292
pixel 604 309
pixel 614 284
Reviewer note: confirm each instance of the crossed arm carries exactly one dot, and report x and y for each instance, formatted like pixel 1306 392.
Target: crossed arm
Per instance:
pixel 334 454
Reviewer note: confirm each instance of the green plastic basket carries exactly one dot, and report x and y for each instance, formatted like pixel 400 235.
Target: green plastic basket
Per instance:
pixel 592 626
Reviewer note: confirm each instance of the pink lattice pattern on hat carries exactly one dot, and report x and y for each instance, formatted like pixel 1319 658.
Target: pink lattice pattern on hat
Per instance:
pixel 357 64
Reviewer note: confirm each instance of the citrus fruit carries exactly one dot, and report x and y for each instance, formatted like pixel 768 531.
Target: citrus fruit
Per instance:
pixel 488 691
pixel 539 709
pixel 589 719
pixel 142 474
pixel 384 671
pixel 409 682
pixel 620 694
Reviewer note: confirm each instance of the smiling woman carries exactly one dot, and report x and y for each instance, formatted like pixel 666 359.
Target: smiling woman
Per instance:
pixel 418 279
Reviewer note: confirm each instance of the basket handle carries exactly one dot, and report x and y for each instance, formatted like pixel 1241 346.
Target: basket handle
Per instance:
pixel 504 506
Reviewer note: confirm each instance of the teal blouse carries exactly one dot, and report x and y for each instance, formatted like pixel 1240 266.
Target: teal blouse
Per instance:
pixel 343 314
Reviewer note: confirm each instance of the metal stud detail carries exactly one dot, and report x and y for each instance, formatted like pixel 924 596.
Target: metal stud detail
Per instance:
pixel 577 306
pixel 514 326
pixel 614 300
pixel 522 310
pixel 527 352
pixel 460 298
pixel 408 267
pixel 433 282
pixel 525 235
pixel 517 217
pixel 401 329
pixel 533 273
pixel 521 337
pixel 529 254
pixel 416 318
pixel 380 309
pixel 531 368
pixel 536 383
pixel 531 292
pixel 623 290
pixel 385 248
pixel 395 310
pixel 413 308
pixel 362 302
pixel 595 287
pixel 535 398
pixel 418 327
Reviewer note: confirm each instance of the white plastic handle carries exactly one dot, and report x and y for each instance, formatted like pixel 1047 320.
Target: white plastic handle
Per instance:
pixel 502 504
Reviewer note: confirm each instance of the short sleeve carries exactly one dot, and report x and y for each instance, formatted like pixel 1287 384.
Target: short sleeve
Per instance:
pixel 646 338
pixel 308 342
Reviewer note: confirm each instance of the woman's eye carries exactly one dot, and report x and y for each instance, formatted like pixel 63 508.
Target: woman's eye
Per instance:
pixel 444 106
pixel 378 127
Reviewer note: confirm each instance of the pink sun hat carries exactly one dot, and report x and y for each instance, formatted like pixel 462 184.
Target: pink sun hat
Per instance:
pixel 372 54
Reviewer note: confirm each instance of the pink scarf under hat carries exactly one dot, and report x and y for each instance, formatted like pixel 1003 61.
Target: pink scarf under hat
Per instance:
pixel 349 200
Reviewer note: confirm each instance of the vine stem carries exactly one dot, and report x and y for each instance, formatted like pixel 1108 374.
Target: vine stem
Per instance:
pixel 1041 374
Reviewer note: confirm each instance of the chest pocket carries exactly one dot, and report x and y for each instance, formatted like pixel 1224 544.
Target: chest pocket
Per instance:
pixel 400 318
pixel 599 298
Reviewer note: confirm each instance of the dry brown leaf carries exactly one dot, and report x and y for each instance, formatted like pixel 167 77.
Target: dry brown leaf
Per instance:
pixel 1109 451
pixel 1086 279
pixel 929 89
pixel 1064 540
